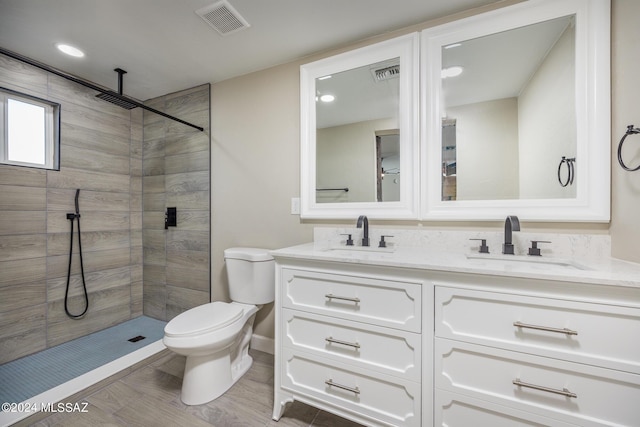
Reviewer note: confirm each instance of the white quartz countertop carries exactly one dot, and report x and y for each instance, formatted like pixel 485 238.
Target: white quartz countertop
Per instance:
pixel 609 271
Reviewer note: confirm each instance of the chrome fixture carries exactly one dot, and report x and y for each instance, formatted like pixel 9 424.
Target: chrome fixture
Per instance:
pixel 362 219
pixel 511 224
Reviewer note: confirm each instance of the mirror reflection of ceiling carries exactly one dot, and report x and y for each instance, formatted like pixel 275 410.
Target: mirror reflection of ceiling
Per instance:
pixel 498 66
pixel 359 95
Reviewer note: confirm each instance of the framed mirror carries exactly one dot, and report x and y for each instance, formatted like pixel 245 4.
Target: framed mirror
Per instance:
pixel 516 114
pixel 359 133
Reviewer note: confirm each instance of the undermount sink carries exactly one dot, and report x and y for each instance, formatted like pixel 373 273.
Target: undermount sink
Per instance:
pixel 362 249
pixel 530 261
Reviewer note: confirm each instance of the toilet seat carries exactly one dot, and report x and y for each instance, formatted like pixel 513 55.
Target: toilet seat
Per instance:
pixel 203 319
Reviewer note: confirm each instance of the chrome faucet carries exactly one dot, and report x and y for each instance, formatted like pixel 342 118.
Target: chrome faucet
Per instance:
pixel 512 223
pixel 362 219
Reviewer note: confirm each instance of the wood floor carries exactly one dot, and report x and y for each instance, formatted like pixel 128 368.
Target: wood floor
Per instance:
pixel 150 396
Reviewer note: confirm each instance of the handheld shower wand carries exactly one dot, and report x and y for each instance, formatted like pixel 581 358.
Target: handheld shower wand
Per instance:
pixel 72 217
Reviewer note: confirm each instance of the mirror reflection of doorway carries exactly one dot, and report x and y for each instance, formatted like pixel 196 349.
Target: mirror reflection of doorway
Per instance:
pixel 388 165
pixel 449 161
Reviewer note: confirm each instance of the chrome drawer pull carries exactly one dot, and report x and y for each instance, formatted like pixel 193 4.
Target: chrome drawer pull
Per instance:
pixel 563 392
pixel 330 383
pixel 546 328
pixel 335 341
pixel 331 296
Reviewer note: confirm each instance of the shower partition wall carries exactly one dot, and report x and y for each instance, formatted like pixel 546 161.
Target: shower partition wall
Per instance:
pixel 176 174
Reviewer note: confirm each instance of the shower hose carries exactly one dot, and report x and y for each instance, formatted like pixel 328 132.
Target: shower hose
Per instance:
pixel 72 217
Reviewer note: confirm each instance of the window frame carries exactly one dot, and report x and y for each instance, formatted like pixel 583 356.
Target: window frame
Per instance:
pixel 51 130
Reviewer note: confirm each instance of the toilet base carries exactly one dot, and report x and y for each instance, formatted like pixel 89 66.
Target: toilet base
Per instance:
pixel 209 376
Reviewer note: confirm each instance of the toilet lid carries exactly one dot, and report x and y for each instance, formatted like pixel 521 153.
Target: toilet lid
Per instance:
pixel 204 318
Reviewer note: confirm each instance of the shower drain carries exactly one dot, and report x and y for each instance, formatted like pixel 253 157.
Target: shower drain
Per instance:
pixel 136 339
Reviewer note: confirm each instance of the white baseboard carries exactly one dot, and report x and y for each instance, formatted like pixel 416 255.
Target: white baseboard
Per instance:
pixel 264 344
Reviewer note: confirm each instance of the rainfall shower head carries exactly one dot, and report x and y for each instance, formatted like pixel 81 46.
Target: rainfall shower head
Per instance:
pixel 118 98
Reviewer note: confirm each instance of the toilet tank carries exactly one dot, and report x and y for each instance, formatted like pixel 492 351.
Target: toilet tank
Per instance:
pixel 251 274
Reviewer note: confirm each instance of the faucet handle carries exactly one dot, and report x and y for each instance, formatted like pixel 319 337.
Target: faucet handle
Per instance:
pixel 534 250
pixel 382 243
pixel 484 249
pixel 349 239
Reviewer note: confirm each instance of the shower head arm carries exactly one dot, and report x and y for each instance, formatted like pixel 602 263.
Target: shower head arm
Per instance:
pixel 121 73
pixel 91 85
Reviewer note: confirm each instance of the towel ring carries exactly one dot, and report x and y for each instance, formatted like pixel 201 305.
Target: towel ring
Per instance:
pixel 630 131
pixel 570 171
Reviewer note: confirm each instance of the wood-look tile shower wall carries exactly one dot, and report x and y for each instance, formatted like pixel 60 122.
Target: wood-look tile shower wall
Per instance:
pixel 176 174
pixel 102 155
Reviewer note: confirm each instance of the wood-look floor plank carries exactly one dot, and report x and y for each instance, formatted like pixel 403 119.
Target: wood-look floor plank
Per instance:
pixel 114 397
pixel 150 395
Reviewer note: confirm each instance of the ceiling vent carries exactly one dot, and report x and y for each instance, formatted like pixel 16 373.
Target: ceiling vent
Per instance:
pixel 223 18
pixel 386 73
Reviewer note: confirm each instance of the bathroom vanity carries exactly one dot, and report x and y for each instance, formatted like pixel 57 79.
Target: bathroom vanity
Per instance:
pixel 414 336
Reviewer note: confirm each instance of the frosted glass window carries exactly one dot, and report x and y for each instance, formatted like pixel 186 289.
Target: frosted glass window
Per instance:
pixel 30 131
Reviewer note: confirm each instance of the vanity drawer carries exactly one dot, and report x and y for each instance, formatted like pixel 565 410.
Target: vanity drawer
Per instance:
pixel 389 303
pixel 458 410
pixel 384 350
pixel 571 392
pixel 385 400
pixel 598 334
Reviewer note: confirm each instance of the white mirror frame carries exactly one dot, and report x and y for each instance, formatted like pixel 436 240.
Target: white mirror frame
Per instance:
pixel 593 126
pixel 407 49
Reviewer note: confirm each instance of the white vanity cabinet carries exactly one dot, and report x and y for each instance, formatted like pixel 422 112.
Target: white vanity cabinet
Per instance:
pixel 349 341
pixel 423 338
pixel 548 361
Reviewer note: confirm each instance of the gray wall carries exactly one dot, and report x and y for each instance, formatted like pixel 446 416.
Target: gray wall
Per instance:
pixel 101 153
pixel 176 174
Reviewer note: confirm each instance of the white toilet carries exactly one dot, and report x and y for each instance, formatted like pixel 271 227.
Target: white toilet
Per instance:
pixel 215 337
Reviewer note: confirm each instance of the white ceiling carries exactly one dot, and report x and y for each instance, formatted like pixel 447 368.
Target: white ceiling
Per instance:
pixel 165 47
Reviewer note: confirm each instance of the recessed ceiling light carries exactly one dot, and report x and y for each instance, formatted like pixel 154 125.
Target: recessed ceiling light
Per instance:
pixel 70 50
pixel 327 98
pixel 451 72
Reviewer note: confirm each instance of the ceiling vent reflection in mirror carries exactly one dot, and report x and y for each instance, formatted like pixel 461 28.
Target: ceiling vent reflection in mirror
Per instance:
pixel 386 72
pixel 223 18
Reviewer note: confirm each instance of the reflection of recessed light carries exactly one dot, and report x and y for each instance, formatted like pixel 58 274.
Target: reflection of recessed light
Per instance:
pixel 451 72
pixel 70 50
pixel 327 98
pixel 453 45
pixel 324 77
